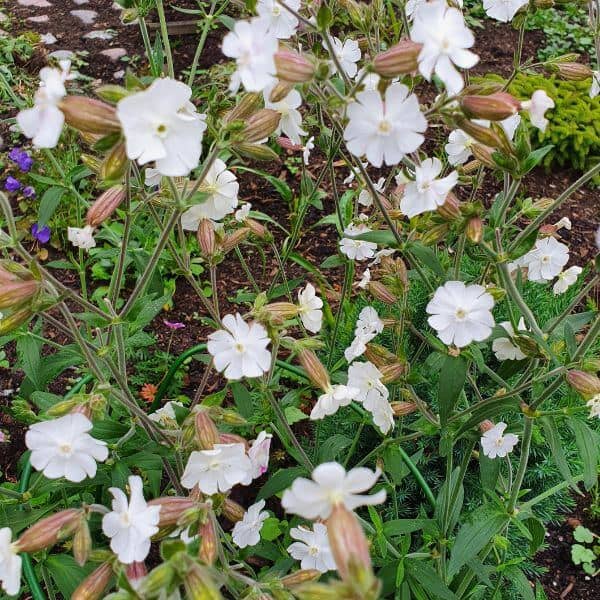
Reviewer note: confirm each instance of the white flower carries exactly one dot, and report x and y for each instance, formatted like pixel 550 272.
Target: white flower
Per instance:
pixel 161 124
pixel 290 122
pixel 353 172
pixel 281 22
pixel 152 177
pixel 461 313
pixel 458 147
pixel 372 393
pixel 63 448
pixel 385 130
pixel 595 87
pixel 536 108
pixel 357 249
pixel 329 403
pixel 347 53
pixel 364 280
pixel 247 531
pixel 10 563
pixel 240 350
pixel 510 125
pixel 81 237
pixel 494 443
pixel 594 404
pixel 43 123
pixel 253 45
pixel 382 412
pixel 369 81
pixel 504 348
pixel 311 313
pixel 217 470
pixel 412 6
pixel 259 454
pixel 566 279
pixel 307 149
pixel 222 188
pixel 546 260
pixel 331 486
pixel 380 254
pixel 165 415
pixel 357 347
pixel 312 549
pixel 503 10
pixel 428 191
pixel 131 524
pixel 368 322
pixel 563 223
pixel 365 198
pixel 242 214
pixel 445 39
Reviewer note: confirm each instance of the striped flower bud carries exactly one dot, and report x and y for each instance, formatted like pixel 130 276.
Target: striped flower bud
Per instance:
pixel 206 237
pixel 314 369
pixel 93 586
pixel 280 91
pixel 474 230
pixel 115 164
pixel 135 572
pixel 227 416
pixel 400 59
pixel 14 320
pixel 486 425
pixel 232 511
pixel 16 293
pixel 381 292
pixel 90 115
pixel 299 577
pixel 293 67
pixel 257 228
pixel 232 240
pixel 105 205
pixel 156 581
pixel 247 106
pixel 379 355
pixel 232 438
pixel 50 530
pixel 392 372
pixel 93 163
pixel 584 383
pixel 172 508
pixel 484 135
pixel 207 552
pixel 401 409
pixel 450 210
pixel 207 434
pixel 494 107
pixel 484 155
pixel 260 125
pixel 82 543
pixel 198 582
pixel 435 234
pixel 280 311
pixel 257 152
pixel 572 71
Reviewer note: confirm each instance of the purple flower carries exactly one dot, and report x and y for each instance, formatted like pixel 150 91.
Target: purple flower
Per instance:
pixel 174 326
pixel 11 184
pixel 28 192
pixel 41 234
pixel 21 158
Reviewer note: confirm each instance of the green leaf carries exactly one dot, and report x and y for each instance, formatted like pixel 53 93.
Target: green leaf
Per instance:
pixel 398 527
pixel 48 204
pixel 587 444
pixel 283 189
pixel 538 533
pixel 535 158
pixel 581 554
pixel 452 380
pixel 426 575
pixel 333 446
pixel 324 17
pixel 583 534
pixel 489 469
pixel 66 573
pixel 520 583
pixel 485 523
pixel 280 481
pixel 556 446
pixel 242 399
pixel 271 529
pixel 293 415
pixel 381 237
pixel 427 256
pixel 524 245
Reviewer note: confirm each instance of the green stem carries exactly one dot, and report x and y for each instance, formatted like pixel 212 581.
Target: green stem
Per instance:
pixel 417 475
pixel 525 448
pixel 588 340
pixel 164 33
pixel 208 20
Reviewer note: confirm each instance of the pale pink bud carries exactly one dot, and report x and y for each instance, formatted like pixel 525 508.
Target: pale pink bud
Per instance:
pixel 206 237
pixel 207 434
pixel 208 542
pixel 261 125
pixel 90 115
pixel 50 530
pixel 494 107
pixel 172 508
pixel 293 67
pixel 584 383
pixel 400 59
pixel 105 205
pixel 314 369
pixel 93 586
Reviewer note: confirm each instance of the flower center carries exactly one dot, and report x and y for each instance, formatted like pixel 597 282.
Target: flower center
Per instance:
pixel 424 186
pixel 499 442
pixel 276 10
pixel 384 127
pixel 445 45
pixel 460 314
pixel 125 520
pixel 161 130
pixel 313 551
pixel 214 465
pixel 239 347
pixel 66 449
pixel 546 259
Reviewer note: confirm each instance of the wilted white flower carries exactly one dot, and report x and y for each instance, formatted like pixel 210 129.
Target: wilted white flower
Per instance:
pixel 63 448
pixel 566 279
pixel 348 54
pixel 290 122
pixel 81 237
pixel 331 486
pixel 563 223
pixel 152 177
pixel 357 249
pixel 458 147
pixel 357 347
pixel 546 260
pixel 445 39
pixel 253 45
pixel 259 454
pixel 247 531
pixel 594 404
pixel 364 280
pixel 365 198
pixel 218 469
pixel 312 549
pixel 242 214
pixel 385 130
pixel 165 415
pixel 353 172
pixel 307 149
pixel 380 254
pixel 382 413
pixel 503 10
pixel 368 322
pixel 310 306
pixel 44 121
pixel 373 394
pixel 222 188
pixel 10 563
pixel 595 87
pixel 281 22
pixel 428 191
pixel 536 108
pixel 494 443
pixel 504 348
pixel 461 313
pixel 330 402
pixel 240 349
pixel 130 525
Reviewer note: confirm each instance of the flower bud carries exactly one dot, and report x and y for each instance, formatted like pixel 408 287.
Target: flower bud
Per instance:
pixel 135 572
pixel 206 237
pixel 484 135
pixel 93 586
pixel 111 92
pixel 172 508
pixel 484 155
pixel 474 230
pixel 301 576
pixel 232 438
pixel 208 542
pixel 318 591
pixel 470 167
pixel 494 107
pixel 280 91
pixel 392 372
pixel 93 163
pixel 257 152
pixel 63 407
pixel 571 71
pixel 348 542
pixel 260 125
pixel 115 164
pixel 234 239
pixel 17 293
pixel 379 355
pixel 435 234
pixel 401 409
pixel 379 291
pixel 280 311
pixel 90 115
pixel 232 511
pixel 82 543
pixel 14 320
pixel 486 425
pixel 47 532
pixel 287 144
pixel 207 434
pixel 105 205
pixel 450 210
pixel 257 229
pixel 400 59
pixel 314 369
pixel 156 581
pixel 584 383
pixel 227 416
pixel 198 582
pixel 293 67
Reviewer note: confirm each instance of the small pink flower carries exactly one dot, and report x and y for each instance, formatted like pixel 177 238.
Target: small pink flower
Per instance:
pixel 174 325
pixel 259 454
